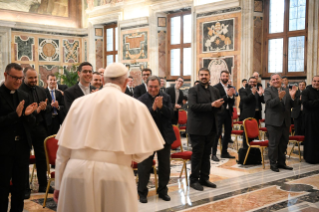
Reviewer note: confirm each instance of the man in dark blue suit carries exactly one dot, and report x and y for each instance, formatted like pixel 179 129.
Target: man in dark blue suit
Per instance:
pixel 142 88
pixel 161 109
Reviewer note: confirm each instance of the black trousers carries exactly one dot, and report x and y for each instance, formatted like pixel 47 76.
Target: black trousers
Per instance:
pixel 278 141
pixel 38 134
pixel 55 126
pixel 164 171
pixel 200 160
pixel 299 125
pixel 223 119
pixel 175 117
pixel 15 165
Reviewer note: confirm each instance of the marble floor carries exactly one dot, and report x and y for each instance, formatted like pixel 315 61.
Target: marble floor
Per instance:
pixel 239 188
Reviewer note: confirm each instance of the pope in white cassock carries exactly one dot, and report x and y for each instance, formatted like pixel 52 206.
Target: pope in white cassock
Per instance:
pixel 100 137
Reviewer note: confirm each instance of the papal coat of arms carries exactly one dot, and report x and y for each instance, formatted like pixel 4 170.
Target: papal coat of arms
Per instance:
pixel 218 36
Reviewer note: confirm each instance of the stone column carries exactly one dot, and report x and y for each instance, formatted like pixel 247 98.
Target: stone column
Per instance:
pixel 91 44
pixel 247 39
pixel 312 45
pixel 5 50
pixel 153 42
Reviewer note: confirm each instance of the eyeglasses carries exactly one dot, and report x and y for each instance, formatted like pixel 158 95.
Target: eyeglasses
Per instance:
pixel 85 72
pixel 16 78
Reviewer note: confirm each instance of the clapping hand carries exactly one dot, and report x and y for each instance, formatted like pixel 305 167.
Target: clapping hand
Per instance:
pixel 260 91
pixel 159 101
pixel 177 106
pixel 31 108
pixel 42 106
pixel 230 91
pixel 20 108
pixel 281 94
pixel 293 91
pixel 254 90
pixel 217 103
pixel 55 104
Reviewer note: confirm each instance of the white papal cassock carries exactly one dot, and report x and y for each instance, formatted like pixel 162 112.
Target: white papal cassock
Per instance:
pixel 100 137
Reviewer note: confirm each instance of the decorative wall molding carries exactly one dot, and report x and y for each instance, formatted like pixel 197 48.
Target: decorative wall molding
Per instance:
pixel 217 6
pixel 170 5
pixel 132 23
pixel 219 12
pixel 5 49
pixel 104 19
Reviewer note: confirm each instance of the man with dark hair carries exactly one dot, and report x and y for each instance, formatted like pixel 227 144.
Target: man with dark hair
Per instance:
pixel 142 88
pixel 82 88
pixel 225 116
pixel 310 101
pixel 40 131
pixel 129 87
pixel 101 72
pixel 285 82
pixel 297 110
pixel 160 107
pixel 279 102
pixel 251 98
pixel 244 83
pixel 256 75
pixel 57 103
pixel 196 82
pixel 163 84
pixel 204 103
pixel 16 120
pixel 176 97
pixel 97 80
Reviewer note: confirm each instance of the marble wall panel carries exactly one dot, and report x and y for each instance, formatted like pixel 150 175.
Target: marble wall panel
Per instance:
pixel 135 46
pixel 162 53
pixel 225 57
pixel 258 37
pixel 71 50
pixel 24 48
pixel 99 53
pixel 49 50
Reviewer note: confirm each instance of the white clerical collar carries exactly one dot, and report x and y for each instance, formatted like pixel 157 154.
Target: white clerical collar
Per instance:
pixel 84 87
pixel 12 91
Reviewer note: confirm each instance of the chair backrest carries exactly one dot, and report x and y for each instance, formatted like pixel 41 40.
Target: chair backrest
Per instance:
pixel 251 129
pixel 182 117
pixel 235 115
pixel 51 148
pixel 177 143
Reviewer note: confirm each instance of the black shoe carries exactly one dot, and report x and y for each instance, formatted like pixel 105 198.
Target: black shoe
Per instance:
pixel 44 189
pixel 215 158
pixel 208 184
pixel 227 155
pixel 143 199
pixel 285 167
pixel 231 141
pixel 27 193
pixel 164 197
pixel 197 186
pixel 274 168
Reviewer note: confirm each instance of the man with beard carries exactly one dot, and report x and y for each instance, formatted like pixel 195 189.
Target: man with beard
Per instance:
pixel 310 101
pixel 251 98
pixel 40 131
pixel 225 116
pixel 97 80
pixel 204 104
pixel 176 97
pixel 297 111
pixel 279 102
pixel 82 88
pixel 16 120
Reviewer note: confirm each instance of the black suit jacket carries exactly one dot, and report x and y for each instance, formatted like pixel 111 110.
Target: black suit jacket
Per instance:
pixel 139 90
pixel 62 87
pixel 128 92
pixel 277 112
pixel 42 96
pixel 171 92
pixel 73 93
pixel 202 117
pixel 9 117
pixel 227 100
pixel 60 98
pixel 249 103
pixel 297 106
pixel 240 103
pixel 162 117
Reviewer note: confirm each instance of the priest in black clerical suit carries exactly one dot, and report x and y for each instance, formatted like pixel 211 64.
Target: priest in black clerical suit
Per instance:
pixel 310 101
pixel 15 123
pixel 297 111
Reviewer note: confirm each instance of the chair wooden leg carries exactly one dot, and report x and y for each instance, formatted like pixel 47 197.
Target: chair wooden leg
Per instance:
pixel 155 176
pixel 262 156
pixel 236 138
pixel 292 149
pixel 299 151
pixel 46 193
pixel 180 175
pixel 220 144
pixel 32 175
pixel 246 155
pixel 186 175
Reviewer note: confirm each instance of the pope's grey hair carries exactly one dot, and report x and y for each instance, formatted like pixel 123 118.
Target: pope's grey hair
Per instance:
pixel 116 80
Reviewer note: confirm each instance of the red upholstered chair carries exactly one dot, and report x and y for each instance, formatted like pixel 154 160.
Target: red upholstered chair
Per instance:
pixel 261 121
pixel 135 167
pixel 296 139
pixel 51 148
pixel 235 117
pixel 262 131
pixel 182 155
pixel 237 133
pixel 252 132
pixel 182 121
